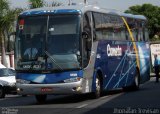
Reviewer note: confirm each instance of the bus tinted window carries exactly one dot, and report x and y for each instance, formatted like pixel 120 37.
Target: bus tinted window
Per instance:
pixel 140 30
pixel 97 26
pixel 119 29
pixel 107 29
pixel 133 27
pixel 112 27
pixel 146 34
pixel 145 31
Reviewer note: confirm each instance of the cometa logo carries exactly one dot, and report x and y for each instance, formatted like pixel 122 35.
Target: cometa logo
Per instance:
pixel 114 51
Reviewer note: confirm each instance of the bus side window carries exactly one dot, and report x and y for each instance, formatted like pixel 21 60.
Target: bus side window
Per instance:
pixel 106 31
pixel 140 35
pixel 127 34
pixel 139 31
pixel 114 30
pixel 133 27
pixel 119 29
pixel 97 17
pixel 145 31
pixel 111 28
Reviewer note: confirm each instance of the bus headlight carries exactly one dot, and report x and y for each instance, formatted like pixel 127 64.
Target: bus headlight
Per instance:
pixel 20 81
pixel 72 80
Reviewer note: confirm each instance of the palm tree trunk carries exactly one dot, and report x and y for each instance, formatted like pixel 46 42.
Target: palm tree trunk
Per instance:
pixel 3 53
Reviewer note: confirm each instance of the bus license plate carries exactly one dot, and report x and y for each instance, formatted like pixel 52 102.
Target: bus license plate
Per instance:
pixel 46 89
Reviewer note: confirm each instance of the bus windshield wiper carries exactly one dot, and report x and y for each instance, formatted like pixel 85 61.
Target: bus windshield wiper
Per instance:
pixel 53 60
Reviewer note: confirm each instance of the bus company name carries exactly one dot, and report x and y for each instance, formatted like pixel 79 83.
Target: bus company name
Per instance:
pixel 114 51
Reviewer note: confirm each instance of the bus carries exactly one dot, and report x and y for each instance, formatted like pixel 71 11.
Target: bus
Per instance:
pixel 80 49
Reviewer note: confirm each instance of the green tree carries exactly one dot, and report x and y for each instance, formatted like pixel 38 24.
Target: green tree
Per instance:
pixel 36 3
pixel 12 28
pixel 56 4
pixel 42 3
pixel 7 18
pixel 153 15
pixel 4 6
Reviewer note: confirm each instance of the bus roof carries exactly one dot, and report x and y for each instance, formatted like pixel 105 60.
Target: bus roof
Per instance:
pixel 77 9
pixel 67 9
pixel 133 16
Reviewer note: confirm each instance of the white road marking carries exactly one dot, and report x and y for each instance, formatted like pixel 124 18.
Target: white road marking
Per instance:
pixel 105 97
pixel 81 106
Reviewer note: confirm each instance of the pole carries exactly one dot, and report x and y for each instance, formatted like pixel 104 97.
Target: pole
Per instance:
pixel 69 2
pixel 85 1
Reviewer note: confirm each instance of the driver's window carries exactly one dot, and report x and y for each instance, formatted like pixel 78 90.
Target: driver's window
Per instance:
pixel 87 29
pixel 86 23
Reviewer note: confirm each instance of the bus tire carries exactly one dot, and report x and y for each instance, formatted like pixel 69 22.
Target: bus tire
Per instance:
pixel 136 82
pixel 2 92
pixel 41 98
pixel 98 90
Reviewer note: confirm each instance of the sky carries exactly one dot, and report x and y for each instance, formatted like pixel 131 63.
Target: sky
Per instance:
pixel 120 5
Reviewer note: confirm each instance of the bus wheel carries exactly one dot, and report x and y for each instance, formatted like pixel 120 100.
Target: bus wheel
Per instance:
pixel 41 98
pixel 2 92
pixel 136 83
pixel 97 92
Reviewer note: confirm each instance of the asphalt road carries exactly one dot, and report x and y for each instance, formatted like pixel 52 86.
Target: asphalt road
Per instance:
pixel 144 101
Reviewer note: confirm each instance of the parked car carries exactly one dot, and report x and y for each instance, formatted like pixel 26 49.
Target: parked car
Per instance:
pixel 7 81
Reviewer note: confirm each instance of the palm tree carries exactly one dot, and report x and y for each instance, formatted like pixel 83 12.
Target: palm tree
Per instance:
pixel 12 15
pixel 7 18
pixel 4 6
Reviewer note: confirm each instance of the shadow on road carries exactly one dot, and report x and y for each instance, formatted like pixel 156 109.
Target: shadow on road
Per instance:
pixel 78 98
pixel 146 99
pixel 146 96
pixel 11 101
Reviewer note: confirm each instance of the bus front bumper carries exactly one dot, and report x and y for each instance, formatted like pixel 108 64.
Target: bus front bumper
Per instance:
pixel 62 88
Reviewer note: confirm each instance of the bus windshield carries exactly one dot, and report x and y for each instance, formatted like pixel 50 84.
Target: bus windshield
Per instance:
pixel 48 42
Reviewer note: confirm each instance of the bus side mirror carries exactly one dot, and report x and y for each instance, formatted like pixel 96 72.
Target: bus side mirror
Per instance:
pixel 85 35
pixel 88 41
pixel 11 40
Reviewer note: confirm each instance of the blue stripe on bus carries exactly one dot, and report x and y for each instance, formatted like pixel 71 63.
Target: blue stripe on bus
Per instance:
pixel 133 65
pixel 49 78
